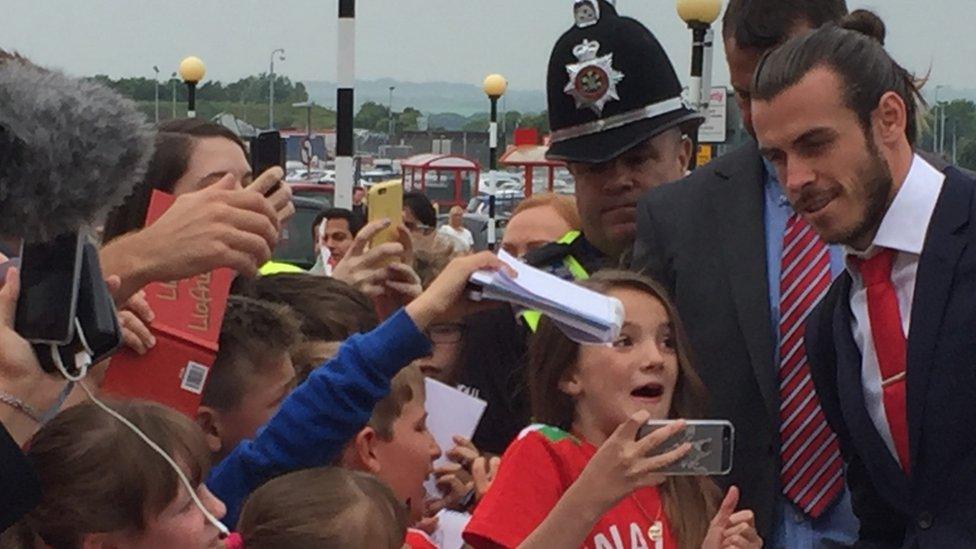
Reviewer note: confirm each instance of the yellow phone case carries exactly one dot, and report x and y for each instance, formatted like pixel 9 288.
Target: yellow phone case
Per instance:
pixel 385 201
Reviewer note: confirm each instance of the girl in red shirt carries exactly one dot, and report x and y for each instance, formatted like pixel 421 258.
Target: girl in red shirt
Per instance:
pixel 580 478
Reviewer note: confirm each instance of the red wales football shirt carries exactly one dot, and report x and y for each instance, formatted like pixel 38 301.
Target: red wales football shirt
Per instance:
pixel 536 471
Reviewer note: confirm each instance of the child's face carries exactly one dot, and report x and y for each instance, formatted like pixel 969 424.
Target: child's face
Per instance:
pixel 262 399
pixel 639 372
pixel 182 524
pixel 445 354
pixel 408 458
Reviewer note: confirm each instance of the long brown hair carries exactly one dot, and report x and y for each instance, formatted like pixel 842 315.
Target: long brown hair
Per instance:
pixel 323 508
pixel 171 158
pixel 689 501
pixel 98 476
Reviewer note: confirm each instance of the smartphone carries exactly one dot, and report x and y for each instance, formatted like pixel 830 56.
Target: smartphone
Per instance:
pixel 49 274
pixel 267 151
pixel 386 202
pixel 98 320
pixel 711 446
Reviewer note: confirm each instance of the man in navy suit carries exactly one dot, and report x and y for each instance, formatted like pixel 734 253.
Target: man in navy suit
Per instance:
pixel 892 347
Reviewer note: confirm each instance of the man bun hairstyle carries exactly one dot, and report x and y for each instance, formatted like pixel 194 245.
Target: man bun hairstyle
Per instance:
pixel 866 23
pixel 763 24
pixel 854 50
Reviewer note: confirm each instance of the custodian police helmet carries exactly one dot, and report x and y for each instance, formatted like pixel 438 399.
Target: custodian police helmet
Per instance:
pixel 610 87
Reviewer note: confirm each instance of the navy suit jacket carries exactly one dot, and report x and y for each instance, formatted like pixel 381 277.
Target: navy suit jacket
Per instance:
pixel 934 505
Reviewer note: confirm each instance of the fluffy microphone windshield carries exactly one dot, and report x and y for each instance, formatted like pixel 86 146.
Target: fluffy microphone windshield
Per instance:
pixel 70 150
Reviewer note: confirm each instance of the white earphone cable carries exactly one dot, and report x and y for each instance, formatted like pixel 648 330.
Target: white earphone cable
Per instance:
pixel 85 359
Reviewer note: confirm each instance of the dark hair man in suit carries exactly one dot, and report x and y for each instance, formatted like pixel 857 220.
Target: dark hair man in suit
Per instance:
pixel 745 272
pixel 892 347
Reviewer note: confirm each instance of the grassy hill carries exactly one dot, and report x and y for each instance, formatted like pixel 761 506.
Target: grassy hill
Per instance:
pixel 286 116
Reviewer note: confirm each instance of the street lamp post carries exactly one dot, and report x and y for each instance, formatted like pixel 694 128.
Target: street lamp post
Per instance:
pixel 391 114
pixel 192 71
pixel 699 15
pixel 173 80
pixel 156 82
pixel 308 132
pixel 494 87
pixel 281 57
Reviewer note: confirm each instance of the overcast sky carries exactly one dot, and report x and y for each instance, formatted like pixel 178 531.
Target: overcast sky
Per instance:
pixel 413 40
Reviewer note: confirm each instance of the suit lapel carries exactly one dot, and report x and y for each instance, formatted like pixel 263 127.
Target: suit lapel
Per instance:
pixel 885 472
pixel 944 244
pixel 737 206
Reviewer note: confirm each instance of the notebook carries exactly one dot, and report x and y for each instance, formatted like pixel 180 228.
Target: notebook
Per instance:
pixel 188 316
pixel 583 315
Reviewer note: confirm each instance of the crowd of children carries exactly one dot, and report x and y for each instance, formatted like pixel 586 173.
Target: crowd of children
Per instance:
pixel 341 459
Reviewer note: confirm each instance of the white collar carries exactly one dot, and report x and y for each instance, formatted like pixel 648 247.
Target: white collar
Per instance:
pixel 906 222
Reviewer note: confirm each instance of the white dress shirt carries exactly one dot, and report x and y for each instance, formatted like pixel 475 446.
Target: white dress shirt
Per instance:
pixel 903 229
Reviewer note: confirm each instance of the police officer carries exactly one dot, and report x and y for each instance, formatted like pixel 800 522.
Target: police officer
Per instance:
pixel 618 120
pixel 620 124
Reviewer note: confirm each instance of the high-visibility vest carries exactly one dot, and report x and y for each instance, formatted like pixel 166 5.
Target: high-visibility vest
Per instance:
pixel 278 267
pixel 572 266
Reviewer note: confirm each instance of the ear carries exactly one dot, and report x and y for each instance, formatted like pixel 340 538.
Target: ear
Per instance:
pixel 890 119
pixel 361 453
pixel 209 421
pixel 104 540
pixel 570 384
pixel 684 154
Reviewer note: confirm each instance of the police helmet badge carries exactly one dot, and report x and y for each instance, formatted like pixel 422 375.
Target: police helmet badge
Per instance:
pixel 586 12
pixel 593 80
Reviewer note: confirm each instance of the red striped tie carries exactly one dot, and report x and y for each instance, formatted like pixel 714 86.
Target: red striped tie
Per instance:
pixel 812 469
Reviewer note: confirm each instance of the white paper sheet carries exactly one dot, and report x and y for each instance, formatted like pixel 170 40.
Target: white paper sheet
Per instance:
pixel 584 315
pixel 450 526
pixel 450 412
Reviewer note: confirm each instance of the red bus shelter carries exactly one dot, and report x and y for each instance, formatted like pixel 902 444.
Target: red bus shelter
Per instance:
pixel 529 155
pixel 447 180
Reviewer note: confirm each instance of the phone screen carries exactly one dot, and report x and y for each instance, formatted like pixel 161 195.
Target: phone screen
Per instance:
pixel 49 289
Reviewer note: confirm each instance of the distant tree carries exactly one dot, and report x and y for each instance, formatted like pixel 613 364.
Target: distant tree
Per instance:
pixel 407 120
pixel 967 154
pixel 538 121
pixel 960 121
pixel 372 116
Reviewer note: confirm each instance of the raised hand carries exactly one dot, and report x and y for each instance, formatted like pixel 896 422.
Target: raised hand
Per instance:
pixel 445 299
pixel 730 528
pixel 219 226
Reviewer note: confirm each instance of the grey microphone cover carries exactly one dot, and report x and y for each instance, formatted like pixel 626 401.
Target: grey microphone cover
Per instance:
pixel 70 150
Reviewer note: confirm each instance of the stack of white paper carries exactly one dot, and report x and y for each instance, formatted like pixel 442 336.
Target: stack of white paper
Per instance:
pixel 583 315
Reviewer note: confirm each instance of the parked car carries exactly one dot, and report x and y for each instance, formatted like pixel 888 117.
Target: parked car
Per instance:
pixel 321 193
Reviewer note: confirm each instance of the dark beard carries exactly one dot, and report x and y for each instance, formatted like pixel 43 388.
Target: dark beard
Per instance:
pixel 876 182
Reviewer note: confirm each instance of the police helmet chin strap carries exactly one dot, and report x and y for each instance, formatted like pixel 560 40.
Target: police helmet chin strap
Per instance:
pixel 83 360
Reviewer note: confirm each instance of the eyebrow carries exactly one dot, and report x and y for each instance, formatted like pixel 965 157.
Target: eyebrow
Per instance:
pixel 815 134
pixel 768 152
pixel 222 173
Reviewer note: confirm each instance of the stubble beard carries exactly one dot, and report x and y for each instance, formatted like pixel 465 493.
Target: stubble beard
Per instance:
pixel 874 183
